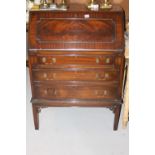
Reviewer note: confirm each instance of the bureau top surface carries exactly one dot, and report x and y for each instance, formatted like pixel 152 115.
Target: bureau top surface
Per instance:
pixel 82 8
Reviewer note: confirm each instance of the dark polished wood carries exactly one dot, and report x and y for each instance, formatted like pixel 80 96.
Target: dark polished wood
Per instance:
pixel 76 58
pixel 75 91
pixel 79 74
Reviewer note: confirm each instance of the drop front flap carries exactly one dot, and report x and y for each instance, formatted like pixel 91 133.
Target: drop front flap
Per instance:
pixel 63 31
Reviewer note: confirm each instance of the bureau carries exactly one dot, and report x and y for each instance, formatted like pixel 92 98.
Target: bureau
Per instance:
pixel 76 58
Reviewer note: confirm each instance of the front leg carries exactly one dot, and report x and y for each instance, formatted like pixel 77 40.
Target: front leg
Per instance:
pixel 36 111
pixel 117 111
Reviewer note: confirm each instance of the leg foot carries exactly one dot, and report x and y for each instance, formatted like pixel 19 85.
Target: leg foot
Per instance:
pixel 117 111
pixel 36 116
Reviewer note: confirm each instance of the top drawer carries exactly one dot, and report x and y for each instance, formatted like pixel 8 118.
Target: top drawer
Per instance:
pixel 64 30
pixel 74 59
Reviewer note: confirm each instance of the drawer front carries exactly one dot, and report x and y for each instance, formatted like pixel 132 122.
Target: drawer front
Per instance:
pixel 75 75
pixel 106 60
pixel 75 92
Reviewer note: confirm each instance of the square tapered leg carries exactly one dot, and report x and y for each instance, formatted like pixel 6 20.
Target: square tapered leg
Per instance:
pixel 117 112
pixel 36 116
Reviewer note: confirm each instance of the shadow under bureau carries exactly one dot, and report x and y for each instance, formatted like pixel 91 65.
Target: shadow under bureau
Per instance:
pixel 76 58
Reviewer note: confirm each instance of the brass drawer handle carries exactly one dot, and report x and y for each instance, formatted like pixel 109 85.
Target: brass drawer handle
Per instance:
pixel 53 60
pixel 55 92
pixel 45 92
pixel 107 60
pixel 50 91
pixel 44 59
pixel 97 60
pixel 45 76
pixel 54 75
pixel 104 93
pixel 98 77
pixel 106 75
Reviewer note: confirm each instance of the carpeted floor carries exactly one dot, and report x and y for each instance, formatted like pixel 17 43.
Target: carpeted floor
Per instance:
pixel 75 131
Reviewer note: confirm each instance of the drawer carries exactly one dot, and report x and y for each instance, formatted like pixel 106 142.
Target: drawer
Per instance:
pixel 75 75
pixel 75 92
pixel 75 60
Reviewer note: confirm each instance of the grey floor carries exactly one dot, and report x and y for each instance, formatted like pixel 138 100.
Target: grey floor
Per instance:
pixel 75 131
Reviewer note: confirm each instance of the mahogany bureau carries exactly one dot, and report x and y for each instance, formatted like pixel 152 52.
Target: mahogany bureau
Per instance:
pixel 76 58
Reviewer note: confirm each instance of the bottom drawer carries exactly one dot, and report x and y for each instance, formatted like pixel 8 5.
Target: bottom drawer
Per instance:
pixel 75 92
